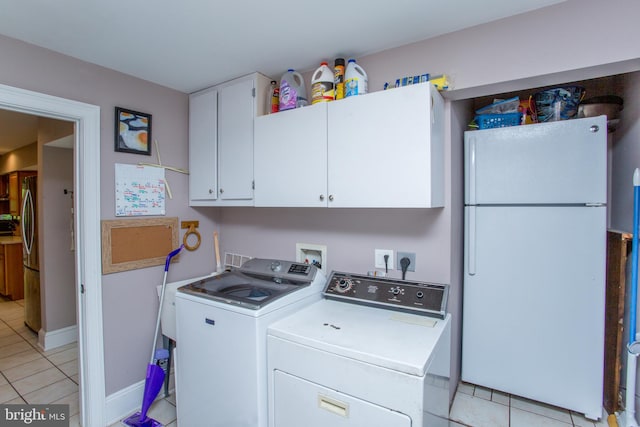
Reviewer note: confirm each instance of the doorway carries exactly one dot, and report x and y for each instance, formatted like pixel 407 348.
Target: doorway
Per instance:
pixel 86 189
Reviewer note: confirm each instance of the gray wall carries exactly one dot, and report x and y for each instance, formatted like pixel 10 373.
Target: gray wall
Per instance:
pixel 626 156
pixel 534 49
pixel 130 299
pixel 57 260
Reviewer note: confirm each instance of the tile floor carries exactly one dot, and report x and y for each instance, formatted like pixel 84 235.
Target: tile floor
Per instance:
pixel 27 373
pixel 30 375
pixel 481 407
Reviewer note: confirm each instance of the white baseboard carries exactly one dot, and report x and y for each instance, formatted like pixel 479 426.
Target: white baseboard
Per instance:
pixel 57 338
pixel 124 402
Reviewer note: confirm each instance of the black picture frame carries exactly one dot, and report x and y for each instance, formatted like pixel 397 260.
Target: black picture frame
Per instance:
pixel 132 131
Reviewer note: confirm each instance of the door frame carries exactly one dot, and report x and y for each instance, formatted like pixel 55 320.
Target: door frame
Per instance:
pixel 86 118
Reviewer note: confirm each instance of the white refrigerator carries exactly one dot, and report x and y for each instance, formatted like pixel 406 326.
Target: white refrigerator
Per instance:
pixel 534 260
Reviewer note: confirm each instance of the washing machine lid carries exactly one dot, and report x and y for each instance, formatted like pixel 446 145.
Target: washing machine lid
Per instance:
pixel 257 283
pixel 387 338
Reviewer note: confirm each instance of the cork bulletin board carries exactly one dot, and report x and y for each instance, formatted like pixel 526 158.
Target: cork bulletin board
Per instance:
pixel 129 244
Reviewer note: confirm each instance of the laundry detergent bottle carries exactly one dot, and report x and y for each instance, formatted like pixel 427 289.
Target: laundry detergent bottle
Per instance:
pixel 322 84
pixel 273 97
pixel 356 80
pixel 292 91
pixel 338 78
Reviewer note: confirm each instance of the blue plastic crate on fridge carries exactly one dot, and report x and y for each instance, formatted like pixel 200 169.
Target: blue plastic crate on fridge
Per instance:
pixel 490 121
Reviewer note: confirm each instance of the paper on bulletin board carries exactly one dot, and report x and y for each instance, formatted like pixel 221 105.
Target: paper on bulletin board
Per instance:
pixel 140 190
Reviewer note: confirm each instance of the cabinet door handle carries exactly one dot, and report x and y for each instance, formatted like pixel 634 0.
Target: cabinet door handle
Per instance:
pixel 322 197
pixel 210 191
pixel 331 197
pixel 221 191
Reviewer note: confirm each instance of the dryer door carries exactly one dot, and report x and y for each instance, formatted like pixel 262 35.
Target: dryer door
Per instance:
pixel 300 402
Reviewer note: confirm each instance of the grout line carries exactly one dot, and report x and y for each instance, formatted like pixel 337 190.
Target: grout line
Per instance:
pixel 40 351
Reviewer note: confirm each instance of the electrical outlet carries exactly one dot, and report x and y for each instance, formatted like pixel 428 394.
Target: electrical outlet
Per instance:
pixel 379 258
pixel 412 258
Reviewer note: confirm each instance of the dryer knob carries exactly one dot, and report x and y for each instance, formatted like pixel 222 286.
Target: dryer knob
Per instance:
pixel 344 285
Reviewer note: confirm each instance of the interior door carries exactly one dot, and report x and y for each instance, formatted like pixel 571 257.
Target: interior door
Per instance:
pixel 298 402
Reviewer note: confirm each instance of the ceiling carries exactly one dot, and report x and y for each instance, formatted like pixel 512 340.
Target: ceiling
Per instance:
pixel 192 44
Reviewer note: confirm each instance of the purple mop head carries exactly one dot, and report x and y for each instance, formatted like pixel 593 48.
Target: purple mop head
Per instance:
pixel 152 384
pixel 135 421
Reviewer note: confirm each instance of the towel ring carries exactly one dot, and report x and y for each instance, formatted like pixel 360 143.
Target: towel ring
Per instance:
pixel 185 238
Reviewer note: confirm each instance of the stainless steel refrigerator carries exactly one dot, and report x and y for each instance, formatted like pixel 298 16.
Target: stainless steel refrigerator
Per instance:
pixel 535 256
pixel 29 227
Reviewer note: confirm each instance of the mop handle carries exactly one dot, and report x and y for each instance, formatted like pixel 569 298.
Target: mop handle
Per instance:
pixel 164 285
pixel 171 255
pixel 634 259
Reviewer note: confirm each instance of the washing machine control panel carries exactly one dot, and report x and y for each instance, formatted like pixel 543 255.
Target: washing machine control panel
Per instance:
pixel 417 297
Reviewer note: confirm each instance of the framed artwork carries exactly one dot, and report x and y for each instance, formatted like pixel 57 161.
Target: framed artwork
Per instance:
pixel 133 132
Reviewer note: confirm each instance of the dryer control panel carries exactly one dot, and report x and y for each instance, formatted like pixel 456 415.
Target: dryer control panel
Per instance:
pixel 417 297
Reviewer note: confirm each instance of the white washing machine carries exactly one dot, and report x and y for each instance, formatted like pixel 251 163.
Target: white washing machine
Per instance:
pixel 221 324
pixel 374 352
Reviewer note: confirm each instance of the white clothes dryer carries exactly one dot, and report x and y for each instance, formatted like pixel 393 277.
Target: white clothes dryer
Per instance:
pixel 221 326
pixel 375 352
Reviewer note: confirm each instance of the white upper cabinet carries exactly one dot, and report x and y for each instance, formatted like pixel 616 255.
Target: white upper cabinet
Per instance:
pixel 386 149
pixel 291 158
pixel 380 150
pixel 221 141
pixel 203 141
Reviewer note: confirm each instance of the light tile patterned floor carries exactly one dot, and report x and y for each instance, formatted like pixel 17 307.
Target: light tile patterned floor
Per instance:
pixel 481 407
pixel 27 373
pixel 30 375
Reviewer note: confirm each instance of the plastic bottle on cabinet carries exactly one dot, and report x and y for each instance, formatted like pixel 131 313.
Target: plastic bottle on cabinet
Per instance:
pixel 356 80
pixel 322 84
pixel 273 98
pixel 292 91
pixel 338 78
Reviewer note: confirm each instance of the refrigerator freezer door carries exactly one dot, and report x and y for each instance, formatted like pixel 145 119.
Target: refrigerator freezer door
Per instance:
pixel 549 163
pixel 533 312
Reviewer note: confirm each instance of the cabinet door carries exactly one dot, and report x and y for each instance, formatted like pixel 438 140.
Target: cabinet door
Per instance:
pixel 291 158
pixel 203 118
pixel 4 288
pixel 14 194
pixel 235 140
pixel 13 272
pixel 385 149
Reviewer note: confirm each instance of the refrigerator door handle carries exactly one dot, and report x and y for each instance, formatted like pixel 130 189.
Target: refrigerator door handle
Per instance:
pixel 28 240
pixel 472 171
pixel 471 241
